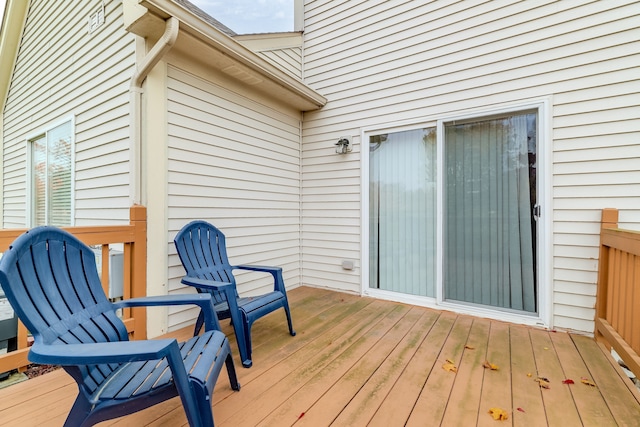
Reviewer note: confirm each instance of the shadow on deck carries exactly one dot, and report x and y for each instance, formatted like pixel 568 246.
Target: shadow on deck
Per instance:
pixel 360 361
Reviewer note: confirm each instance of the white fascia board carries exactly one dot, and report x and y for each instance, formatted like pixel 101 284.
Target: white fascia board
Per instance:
pixel 15 14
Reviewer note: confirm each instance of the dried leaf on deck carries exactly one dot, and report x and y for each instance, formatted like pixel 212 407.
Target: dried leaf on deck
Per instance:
pixel 488 365
pixel 450 367
pixel 498 414
pixel 588 382
pixel 568 381
pixel 469 347
pixel 543 382
pixel 520 409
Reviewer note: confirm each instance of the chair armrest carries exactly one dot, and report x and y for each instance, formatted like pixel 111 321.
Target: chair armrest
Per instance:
pixel 263 268
pixel 227 288
pixel 276 272
pixel 208 285
pixel 202 300
pixel 99 353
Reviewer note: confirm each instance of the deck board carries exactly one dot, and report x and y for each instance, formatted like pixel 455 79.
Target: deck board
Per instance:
pixel 470 371
pixel 589 402
pixel 397 407
pixel 339 399
pixel 623 406
pixel 371 395
pixel 494 393
pixel 432 402
pixel 360 361
pixel 560 409
pixel 526 393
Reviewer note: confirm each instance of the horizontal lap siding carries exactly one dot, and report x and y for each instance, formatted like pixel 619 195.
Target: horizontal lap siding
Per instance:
pixel 235 163
pixel 383 62
pixel 289 59
pixel 62 71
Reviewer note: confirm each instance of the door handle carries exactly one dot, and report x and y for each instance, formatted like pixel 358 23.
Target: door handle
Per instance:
pixel 537 212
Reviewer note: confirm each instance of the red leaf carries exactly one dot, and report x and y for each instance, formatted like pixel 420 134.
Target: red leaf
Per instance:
pixel 520 409
pixel 568 381
pixel 301 415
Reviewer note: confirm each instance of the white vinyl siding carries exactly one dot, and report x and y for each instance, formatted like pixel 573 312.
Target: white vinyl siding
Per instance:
pixel 234 162
pixel 284 50
pixel 409 62
pixel 289 59
pixel 61 71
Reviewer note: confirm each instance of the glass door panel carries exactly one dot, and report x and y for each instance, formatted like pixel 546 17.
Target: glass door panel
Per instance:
pixel 489 235
pixel 402 212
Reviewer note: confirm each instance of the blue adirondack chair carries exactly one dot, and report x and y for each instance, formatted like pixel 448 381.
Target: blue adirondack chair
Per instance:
pixel 51 280
pixel 203 252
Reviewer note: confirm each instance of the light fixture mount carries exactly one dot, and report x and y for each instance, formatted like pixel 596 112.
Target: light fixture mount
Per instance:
pixel 343 146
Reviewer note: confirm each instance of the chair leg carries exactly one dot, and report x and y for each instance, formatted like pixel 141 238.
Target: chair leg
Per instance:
pixel 79 413
pixel 231 371
pixel 248 362
pixel 289 322
pixel 238 320
pixel 204 404
pixel 199 323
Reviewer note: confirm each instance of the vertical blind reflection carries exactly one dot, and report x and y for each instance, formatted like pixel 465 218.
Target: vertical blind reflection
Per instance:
pixel 489 233
pixel 403 212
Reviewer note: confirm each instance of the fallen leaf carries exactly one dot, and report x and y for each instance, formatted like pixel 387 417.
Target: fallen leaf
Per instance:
pixel 450 361
pixel 498 414
pixel 568 381
pixel 491 366
pixel 520 409
pixel 301 415
pixel 587 382
pixel 543 382
pixel 546 348
pixel 529 375
pixel 450 367
pixel 468 347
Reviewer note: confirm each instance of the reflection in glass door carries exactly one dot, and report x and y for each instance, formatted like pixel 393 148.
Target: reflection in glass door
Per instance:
pixel 402 212
pixel 489 198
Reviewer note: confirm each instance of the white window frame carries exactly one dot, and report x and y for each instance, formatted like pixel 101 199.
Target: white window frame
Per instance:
pixel 30 167
pixel 545 249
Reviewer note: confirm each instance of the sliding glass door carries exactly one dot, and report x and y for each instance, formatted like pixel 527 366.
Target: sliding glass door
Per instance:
pixel 487 248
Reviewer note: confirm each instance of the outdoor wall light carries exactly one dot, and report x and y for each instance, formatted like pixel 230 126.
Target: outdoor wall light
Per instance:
pixel 343 146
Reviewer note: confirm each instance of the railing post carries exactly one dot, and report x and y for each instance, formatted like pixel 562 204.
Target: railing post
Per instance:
pixel 609 219
pixel 138 218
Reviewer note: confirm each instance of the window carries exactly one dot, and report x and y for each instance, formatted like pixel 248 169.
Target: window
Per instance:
pixel 51 155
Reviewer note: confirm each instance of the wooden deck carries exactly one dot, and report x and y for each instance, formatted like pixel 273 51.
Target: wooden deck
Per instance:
pixel 359 361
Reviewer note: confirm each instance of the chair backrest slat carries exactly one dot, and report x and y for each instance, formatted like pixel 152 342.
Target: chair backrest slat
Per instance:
pixel 203 252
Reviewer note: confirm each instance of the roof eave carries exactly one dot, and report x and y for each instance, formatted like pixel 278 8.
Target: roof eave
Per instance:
pixel 200 29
